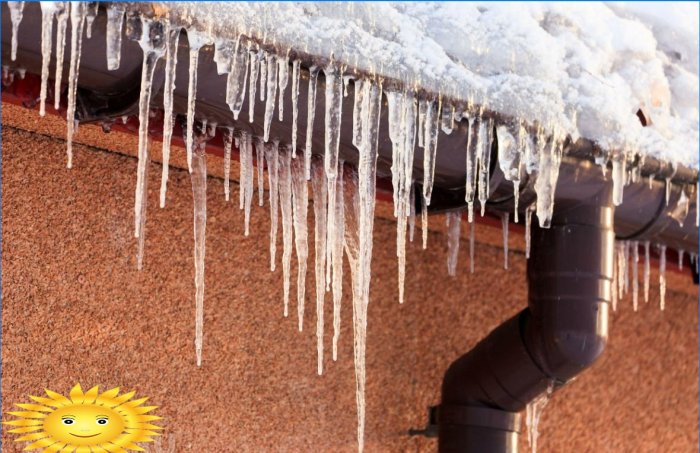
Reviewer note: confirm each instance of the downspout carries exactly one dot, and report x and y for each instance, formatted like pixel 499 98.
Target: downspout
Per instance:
pixel 562 331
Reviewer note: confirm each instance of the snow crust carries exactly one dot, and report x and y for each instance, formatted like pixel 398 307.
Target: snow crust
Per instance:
pixel 583 69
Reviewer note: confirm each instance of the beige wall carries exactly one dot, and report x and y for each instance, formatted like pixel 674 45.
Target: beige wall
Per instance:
pixel 76 309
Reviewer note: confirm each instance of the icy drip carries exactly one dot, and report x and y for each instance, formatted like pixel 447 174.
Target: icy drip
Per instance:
pixel 272 158
pixel 283 80
pixel 402 132
pixel 528 229
pixel 300 206
pixel 334 104
pixel 171 46
pixel 533 415
pixel 228 141
pixel 619 170
pixel 77 22
pixel 254 69
pixel 259 157
pixel 647 271
pixel 247 175
pixel 471 247
pixel 337 256
pixel 196 42
pixel 199 197
pixel 48 9
pixel 505 217
pixel 295 107
pixel 484 165
pixel 454 221
pixel 319 190
pixel 412 213
pixel 550 155
pixel 61 23
pixel 16 12
pixel 509 161
pixel 285 194
pixel 430 148
pixel 237 79
pixel 310 116
pixel 271 94
pixel 142 213
pixel 635 275
pixel 115 20
pixel 473 147
pixel 662 277
pixel 152 44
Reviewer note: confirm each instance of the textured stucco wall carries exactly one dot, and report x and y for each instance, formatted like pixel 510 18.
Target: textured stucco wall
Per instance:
pixel 76 309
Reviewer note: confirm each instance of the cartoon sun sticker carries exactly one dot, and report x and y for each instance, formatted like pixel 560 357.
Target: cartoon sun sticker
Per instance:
pixel 86 422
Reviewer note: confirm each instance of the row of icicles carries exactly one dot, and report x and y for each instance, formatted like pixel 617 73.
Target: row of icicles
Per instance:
pixel 344 197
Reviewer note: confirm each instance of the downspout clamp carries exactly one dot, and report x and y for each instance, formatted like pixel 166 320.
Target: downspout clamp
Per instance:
pixel 563 331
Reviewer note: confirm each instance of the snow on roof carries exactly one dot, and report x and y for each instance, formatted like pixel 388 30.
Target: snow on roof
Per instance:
pixel 582 68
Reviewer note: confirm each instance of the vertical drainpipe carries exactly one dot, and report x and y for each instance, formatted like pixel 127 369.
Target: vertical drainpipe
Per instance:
pixel 563 330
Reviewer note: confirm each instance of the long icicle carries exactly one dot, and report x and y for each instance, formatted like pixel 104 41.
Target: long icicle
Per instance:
pixel 285 194
pixel 16 12
pixel 319 189
pixel 473 146
pixel 337 256
pixel 254 70
pixel 271 94
pixel 115 21
pixel 310 116
pixel 272 158
pixel 199 197
pixel 300 206
pixel 144 203
pixel 196 42
pixel 228 142
pixel 333 116
pixel 78 12
pixel 171 46
pixel 62 16
pixel 260 162
pixel 48 10
pixel 454 221
pixel 296 73
pixel 152 44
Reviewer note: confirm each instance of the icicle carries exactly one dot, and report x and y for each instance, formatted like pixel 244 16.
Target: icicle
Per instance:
pixel 430 151
pixel 48 9
pixel 199 197
pixel 454 220
pixel 528 227
pixel 283 80
pixel 259 156
pixel 334 96
pixel 509 161
pixel 680 259
pixel 447 120
pixel 547 176
pixel 310 116
pixel 115 21
pixel 296 73
pixel 412 213
pixel 228 141
pixel 271 93
pixel 613 287
pixel 473 147
pixel 152 43
pixel 77 22
pixel 262 56
pixel 196 42
pixel 471 247
pixel 62 15
pixel 300 206
pixel 319 189
pixel 254 68
pixel 272 158
pixel 534 413
pixel 171 46
pixel 635 275
pixel 647 271
pixel 246 178
pixel 142 214
pixel 621 268
pixel 662 276
pixel 285 194
pixel 92 8
pixel 236 79
pixel 619 169
pixel 337 256
pixel 505 217
pixel 484 155
pixel 16 12
pixel 424 224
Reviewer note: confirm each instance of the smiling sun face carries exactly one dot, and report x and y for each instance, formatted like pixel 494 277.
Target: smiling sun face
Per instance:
pixel 105 421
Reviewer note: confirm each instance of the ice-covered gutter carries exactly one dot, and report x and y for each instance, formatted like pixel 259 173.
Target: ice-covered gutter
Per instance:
pixel 525 80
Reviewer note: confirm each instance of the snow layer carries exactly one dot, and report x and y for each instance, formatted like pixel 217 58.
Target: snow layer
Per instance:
pixel 581 68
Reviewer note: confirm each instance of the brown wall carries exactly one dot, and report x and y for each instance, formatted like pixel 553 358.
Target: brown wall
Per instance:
pixel 75 309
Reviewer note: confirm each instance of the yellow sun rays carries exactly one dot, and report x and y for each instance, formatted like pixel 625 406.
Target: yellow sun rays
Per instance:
pixel 48 423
